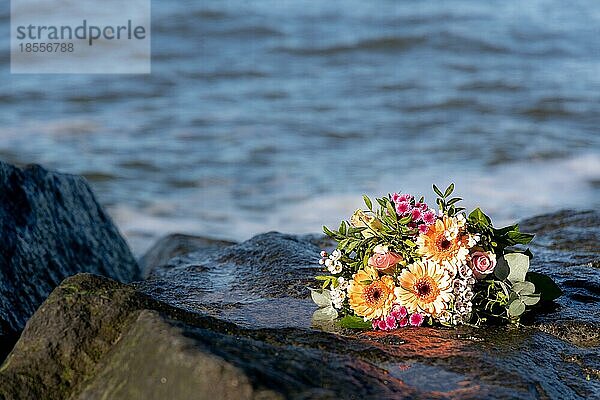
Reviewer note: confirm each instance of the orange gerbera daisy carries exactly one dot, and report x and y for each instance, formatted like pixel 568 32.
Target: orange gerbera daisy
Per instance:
pixel 370 296
pixel 425 287
pixel 446 242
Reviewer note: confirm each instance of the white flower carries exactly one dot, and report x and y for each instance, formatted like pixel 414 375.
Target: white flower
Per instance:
pixel 336 255
pixel 335 267
pixel 473 239
pixel 342 283
pixel 381 249
pixel 337 297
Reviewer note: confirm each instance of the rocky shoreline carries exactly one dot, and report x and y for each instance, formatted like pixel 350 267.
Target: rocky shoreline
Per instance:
pixel 200 318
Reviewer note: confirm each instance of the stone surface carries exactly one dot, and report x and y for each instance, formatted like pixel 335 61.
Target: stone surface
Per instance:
pixel 234 322
pixel 174 245
pixel 51 227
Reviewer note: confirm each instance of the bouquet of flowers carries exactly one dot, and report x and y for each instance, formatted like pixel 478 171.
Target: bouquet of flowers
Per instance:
pixel 404 264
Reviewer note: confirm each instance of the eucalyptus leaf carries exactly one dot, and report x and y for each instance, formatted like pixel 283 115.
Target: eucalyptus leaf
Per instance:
pixel 531 299
pixel 518 264
pixel 516 308
pixel 322 298
pixel 524 288
pixel 326 314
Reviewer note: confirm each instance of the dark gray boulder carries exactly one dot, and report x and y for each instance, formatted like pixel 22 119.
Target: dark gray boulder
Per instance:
pixel 51 227
pixel 174 245
pixel 234 322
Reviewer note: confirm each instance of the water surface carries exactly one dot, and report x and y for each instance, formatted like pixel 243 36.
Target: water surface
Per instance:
pixel 278 115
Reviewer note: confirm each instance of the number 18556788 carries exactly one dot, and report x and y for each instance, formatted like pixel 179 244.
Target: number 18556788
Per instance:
pixel 57 47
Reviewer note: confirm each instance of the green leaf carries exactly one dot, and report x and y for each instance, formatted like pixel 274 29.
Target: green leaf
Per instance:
pixel 449 190
pixel 516 308
pixel 478 217
pixel 322 298
pixel 437 191
pixel 502 270
pixel 518 264
pixel 405 220
pixel 391 211
pixel 354 322
pixel 454 201
pixel 547 288
pixel 328 232
pixel 342 229
pixel 524 288
pixel 368 202
pixel 530 299
pixel 366 259
pixel 352 230
pixel 326 314
pixel 352 246
pixel 519 237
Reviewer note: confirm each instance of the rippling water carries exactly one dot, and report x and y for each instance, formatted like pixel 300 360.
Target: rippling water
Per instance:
pixel 277 115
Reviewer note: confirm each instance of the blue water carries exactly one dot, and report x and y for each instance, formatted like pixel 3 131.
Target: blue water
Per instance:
pixel 278 115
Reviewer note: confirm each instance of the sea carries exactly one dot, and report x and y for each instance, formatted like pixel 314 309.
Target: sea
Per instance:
pixel 278 115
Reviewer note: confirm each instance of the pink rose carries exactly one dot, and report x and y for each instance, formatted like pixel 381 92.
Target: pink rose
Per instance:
pixel 382 259
pixel 482 263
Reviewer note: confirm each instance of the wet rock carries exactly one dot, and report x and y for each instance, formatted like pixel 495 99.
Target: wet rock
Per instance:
pixel 174 245
pixel 242 312
pixel 50 227
pixel 258 282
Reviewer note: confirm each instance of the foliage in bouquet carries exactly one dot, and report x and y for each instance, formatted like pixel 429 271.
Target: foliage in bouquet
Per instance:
pixel 399 262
